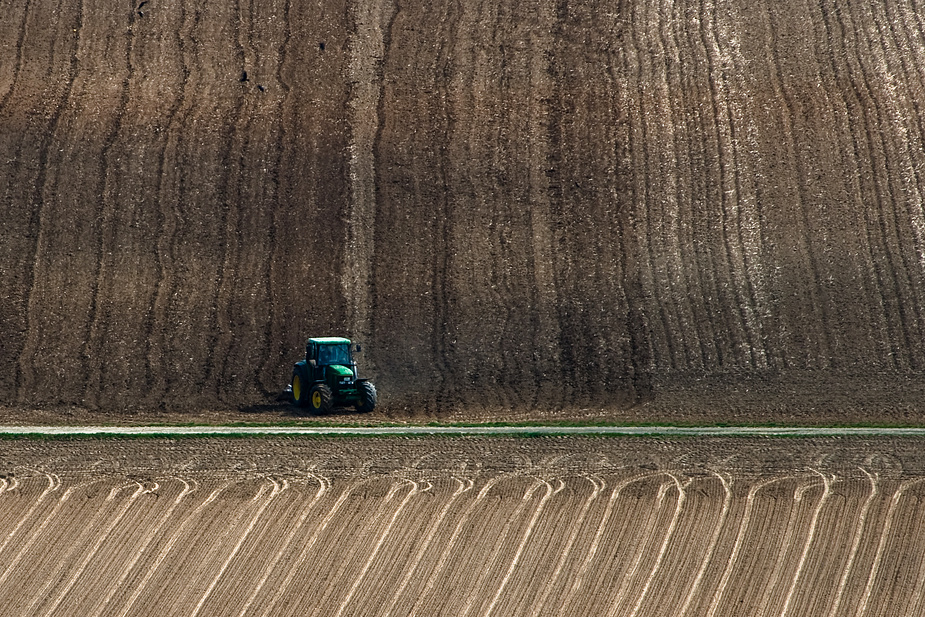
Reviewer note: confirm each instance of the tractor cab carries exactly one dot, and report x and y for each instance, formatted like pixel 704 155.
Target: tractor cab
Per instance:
pixel 328 377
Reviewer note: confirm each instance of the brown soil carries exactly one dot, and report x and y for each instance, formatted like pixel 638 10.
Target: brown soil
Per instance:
pixel 519 206
pixel 462 527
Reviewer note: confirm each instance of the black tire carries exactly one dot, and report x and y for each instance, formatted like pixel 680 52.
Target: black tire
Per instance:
pixel 299 389
pixel 368 397
pixel 320 399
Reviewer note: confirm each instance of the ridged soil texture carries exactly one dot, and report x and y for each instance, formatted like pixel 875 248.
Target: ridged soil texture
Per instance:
pixel 537 205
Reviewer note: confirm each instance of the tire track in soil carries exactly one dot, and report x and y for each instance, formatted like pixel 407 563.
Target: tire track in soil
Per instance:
pixel 597 487
pixel 17 63
pixel 358 580
pixel 424 544
pixel 276 490
pixel 25 370
pixel 878 172
pixel 711 547
pixel 168 213
pixel 140 550
pixel 88 554
pixel 881 545
pixel 907 177
pixel 451 543
pixel 324 486
pixel 168 546
pixel 870 276
pixel 306 549
pixel 100 314
pixel 228 195
pixel 863 191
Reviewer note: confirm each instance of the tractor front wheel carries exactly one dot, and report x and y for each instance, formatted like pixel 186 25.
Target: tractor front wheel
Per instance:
pixel 368 397
pixel 320 399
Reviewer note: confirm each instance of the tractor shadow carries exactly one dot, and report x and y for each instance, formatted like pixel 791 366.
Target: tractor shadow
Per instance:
pixel 283 407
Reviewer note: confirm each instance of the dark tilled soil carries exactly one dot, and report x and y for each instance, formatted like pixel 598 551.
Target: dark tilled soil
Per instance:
pixel 681 209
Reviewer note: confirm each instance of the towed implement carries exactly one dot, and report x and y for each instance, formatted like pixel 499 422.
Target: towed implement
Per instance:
pixel 328 378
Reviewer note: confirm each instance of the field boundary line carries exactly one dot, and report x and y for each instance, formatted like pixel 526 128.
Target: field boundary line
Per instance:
pixel 41 431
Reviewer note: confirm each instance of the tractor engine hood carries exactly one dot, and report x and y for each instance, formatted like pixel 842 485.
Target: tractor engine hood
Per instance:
pixel 339 371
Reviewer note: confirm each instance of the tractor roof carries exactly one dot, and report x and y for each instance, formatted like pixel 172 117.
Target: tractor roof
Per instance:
pixel 329 340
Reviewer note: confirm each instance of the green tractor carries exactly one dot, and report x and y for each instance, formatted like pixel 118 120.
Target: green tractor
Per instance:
pixel 327 378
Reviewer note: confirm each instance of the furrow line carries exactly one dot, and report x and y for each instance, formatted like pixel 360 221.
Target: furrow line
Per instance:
pixel 324 486
pixel 84 535
pixel 645 536
pixel 451 544
pixel 598 485
pixel 711 547
pixel 372 556
pixel 351 553
pixel 425 544
pixel 719 129
pixel 37 532
pixel 661 553
pixel 53 485
pixel 148 538
pixel 496 549
pixel 826 493
pixel 881 546
pixel 595 542
pixel 783 553
pixel 284 586
pixel 91 553
pixel 162 555
pixel 520 547
pixel 855 543
pixel 229 196
pixel 737 546
pixel 277 489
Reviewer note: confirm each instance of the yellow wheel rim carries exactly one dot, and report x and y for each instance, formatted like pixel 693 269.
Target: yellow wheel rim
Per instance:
pixel 316 399
pixel 296 387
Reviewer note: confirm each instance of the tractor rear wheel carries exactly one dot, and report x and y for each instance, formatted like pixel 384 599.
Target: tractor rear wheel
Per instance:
pixel 321 399
pixel 299 389
pixel 368 397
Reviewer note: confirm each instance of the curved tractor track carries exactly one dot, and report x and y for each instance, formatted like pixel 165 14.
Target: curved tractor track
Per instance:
pixel 515 204
pixel 447 526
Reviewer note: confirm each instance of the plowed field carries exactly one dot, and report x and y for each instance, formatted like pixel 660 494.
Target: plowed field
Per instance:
pixel 463 527
pixel 517 205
